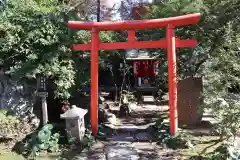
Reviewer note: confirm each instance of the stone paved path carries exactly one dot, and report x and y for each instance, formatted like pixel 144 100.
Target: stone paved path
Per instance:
pixel 126 151
pixel 131 139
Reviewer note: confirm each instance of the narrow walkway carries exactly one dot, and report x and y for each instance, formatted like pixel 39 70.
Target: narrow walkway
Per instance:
pixel 130 139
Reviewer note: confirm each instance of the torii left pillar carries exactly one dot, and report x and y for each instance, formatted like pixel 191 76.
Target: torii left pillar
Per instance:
pixel 172 78
pixel 94 81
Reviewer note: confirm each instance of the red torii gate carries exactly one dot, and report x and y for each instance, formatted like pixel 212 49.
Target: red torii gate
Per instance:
pixel 170 42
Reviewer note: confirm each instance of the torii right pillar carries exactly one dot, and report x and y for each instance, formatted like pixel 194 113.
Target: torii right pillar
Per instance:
pixel 172 78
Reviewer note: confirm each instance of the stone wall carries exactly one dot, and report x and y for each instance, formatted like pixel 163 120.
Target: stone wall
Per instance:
pixel 15 96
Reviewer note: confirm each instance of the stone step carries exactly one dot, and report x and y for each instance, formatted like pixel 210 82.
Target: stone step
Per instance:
pixel 148 99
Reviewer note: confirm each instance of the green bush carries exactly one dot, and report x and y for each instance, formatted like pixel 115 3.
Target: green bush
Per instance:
pixel 227 114
pixel 44 139
pixel 224 152
pixel 180 140
pixel 11 127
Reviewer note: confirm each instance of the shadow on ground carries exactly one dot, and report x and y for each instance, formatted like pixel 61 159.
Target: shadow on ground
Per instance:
pixel 132 138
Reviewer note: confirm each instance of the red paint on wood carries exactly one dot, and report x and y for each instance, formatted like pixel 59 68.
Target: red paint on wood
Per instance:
pixel 136 24
pixel 131 36
pixel 172 78
pixel 136 44
pixel 171 43
pixel 94 82
pixel 145 68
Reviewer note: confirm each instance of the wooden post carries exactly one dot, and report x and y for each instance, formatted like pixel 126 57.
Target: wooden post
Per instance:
pixel 94 81
pixel 172 81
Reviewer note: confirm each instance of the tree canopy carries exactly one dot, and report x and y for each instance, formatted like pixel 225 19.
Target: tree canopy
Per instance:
pixel 35 39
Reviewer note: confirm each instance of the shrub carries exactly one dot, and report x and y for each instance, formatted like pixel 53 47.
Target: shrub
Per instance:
pixel 180 140
pixel 44 139
pixel 11 127
pixel 224 152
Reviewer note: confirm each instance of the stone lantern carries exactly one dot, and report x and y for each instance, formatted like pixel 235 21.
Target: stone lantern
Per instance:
pixel 75 124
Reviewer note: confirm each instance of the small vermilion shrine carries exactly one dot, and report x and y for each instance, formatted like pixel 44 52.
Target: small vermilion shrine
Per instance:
pixel 170 43
pixel 145 70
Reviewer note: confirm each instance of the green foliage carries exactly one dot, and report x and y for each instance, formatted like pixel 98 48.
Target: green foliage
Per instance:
pixel 180 141
pixel 7 123
pixel 34 39
pixel 210 33
pixel 5 118
pixel 162 130
pixel 224 152
pixel 216 58
pixel 44 139
pixel 188 59
pixel 11 127
pixel 222 70
pixel 87 140
pixel 227 115
pixel 76 147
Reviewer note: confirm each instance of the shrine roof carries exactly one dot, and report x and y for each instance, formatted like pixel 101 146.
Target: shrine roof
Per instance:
pixel 139 55
pixel 74 112
pixel 141 58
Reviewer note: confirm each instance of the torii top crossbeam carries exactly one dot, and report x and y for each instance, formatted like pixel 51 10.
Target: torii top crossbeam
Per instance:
pixel 136 24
